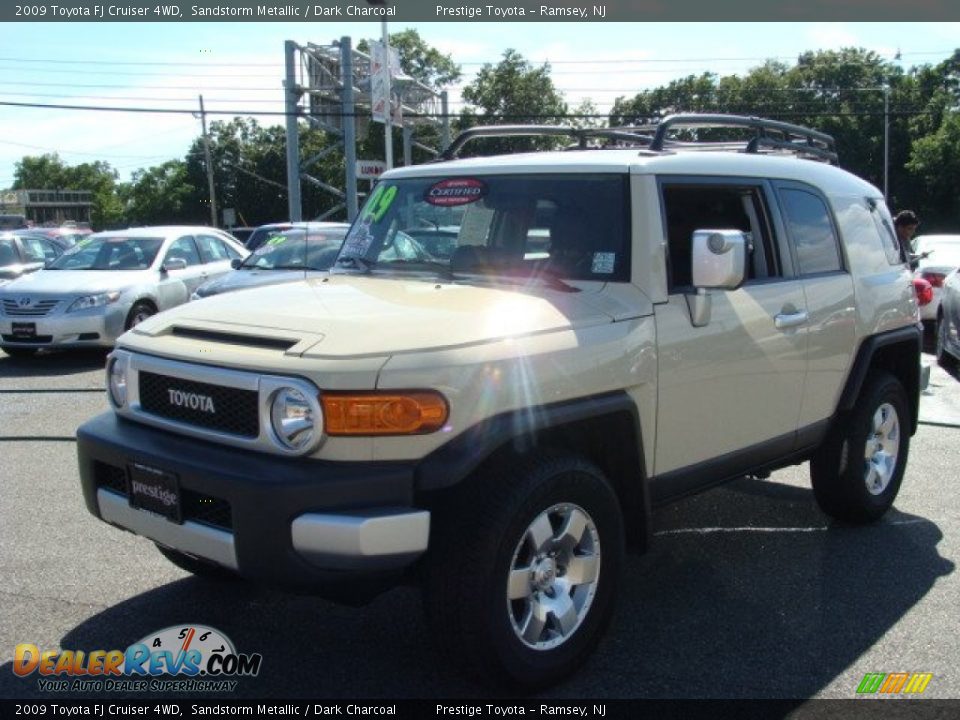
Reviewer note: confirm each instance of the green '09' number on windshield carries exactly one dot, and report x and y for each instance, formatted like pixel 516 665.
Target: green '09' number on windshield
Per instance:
pixel 379 203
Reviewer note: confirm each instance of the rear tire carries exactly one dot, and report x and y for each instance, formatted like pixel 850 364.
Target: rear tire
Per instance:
pixel 857 472
pixel 198 567
pixel 523 567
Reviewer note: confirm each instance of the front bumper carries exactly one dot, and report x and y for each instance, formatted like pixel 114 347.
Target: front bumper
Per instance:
pixel 308 525
pixel 97 327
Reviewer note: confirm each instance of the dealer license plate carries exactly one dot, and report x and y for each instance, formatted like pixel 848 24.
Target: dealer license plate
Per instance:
pixel 154 490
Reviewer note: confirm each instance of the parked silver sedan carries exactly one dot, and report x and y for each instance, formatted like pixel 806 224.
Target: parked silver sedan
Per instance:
pixel 109 282
pixel 948 322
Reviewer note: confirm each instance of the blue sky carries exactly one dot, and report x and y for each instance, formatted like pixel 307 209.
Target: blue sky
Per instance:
pixel 240 66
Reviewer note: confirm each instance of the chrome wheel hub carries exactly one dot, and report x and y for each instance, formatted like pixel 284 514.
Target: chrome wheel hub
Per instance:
pixel 882 449
pixel 553 576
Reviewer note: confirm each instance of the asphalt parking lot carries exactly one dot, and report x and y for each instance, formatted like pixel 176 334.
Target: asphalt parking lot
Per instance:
pixel 748 591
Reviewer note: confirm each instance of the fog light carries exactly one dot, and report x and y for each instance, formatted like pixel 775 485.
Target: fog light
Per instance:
pixel 117 380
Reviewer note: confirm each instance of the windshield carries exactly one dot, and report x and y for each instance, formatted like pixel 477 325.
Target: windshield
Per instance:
pixel 297 249
pixel 107 252
pixel 573 226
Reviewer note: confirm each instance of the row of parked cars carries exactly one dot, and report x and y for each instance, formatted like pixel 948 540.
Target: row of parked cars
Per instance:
pixel 61 289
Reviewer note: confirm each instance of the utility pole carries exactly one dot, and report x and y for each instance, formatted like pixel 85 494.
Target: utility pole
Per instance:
pixel 886 142
pixel 291 96
pixel 206 153
pixel 388 123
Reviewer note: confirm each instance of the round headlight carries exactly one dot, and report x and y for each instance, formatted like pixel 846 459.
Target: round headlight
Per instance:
pixel 117 381
pixel 293 419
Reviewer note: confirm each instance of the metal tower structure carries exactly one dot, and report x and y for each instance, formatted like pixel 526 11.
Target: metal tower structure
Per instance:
pixel 329 87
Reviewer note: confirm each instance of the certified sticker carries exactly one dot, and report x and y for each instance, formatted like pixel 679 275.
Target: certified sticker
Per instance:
pixel 455 191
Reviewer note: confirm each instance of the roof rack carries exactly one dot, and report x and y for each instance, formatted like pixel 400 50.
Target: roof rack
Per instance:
pixel 634 134
pixel 772 134
pixel 801 140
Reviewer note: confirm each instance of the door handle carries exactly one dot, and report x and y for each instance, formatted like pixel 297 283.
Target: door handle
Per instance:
pixel 784 321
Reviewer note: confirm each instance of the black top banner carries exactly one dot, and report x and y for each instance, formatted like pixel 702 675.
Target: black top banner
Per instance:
pixel 474 11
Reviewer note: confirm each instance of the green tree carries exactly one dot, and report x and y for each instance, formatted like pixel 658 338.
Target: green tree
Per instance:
pixel 420 60
pixel 512 92
pixel 49 172
pixel 933 163
pixel 158 195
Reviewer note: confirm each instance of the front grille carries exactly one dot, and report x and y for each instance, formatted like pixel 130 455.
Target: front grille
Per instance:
pixel 195 506
pixel 229 410
pixel 40 308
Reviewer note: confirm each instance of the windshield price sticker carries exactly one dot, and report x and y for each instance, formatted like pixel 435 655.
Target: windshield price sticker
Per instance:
pixel 455 191
pixel 378 204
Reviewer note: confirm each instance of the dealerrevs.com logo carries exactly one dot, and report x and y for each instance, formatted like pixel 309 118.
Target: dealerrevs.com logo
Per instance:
pixel 181 658
pixel 900 683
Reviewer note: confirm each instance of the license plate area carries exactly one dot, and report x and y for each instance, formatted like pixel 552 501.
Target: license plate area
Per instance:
pixel 24 330
pixel 155 490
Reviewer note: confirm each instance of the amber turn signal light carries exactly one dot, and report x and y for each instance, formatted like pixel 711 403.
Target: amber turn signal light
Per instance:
pixel 387 413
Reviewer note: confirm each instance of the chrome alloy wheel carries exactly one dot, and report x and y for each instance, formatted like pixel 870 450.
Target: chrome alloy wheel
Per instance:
pixel 553 576
pixel 882 449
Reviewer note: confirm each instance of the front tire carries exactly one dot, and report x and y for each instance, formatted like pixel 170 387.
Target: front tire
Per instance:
pixel 857 472
pixel 138 313
pixel 523 569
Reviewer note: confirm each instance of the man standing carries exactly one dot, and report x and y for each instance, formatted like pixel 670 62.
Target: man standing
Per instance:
pixel 906 223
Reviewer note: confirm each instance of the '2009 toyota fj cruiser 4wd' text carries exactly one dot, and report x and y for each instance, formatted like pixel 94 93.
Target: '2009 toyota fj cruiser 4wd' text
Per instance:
pixel 512 361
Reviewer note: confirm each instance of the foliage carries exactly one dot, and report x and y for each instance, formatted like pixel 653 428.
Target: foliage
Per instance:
pixel 512 92
pixel 159 195
pixel 419 60
pixel 841 92
pixel 49 172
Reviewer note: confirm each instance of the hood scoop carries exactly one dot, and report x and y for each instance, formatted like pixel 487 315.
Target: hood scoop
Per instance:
pixel 226 338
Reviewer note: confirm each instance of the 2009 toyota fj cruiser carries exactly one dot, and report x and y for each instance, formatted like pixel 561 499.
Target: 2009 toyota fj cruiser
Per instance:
pixel 513 360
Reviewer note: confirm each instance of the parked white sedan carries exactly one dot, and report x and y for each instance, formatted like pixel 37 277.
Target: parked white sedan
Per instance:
pixel 109 282
pixel 939 255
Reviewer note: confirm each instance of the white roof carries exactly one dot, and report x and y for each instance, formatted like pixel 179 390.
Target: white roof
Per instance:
pixel 830 179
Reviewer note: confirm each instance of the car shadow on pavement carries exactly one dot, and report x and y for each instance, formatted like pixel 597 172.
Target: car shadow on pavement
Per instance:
pixel 55 363
pixel 748 592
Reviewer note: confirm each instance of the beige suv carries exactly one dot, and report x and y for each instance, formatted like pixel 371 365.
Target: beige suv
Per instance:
pixel 514 359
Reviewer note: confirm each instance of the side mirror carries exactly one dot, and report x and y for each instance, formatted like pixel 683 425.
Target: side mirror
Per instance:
pixel 719 263
pixel 173 264
pixel 236 263
pixel 719 259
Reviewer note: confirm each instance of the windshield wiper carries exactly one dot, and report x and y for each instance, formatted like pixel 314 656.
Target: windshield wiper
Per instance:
pixel 442 269
pixel 357 262
pixel 547 277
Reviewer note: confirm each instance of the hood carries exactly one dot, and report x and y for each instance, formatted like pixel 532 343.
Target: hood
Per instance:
pixel 243 279
pixel 350 316
pixel 77 282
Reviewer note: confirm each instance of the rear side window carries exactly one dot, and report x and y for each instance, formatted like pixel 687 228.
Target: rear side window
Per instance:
pixel 891 246
pixel 811 230
pixel 213 249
